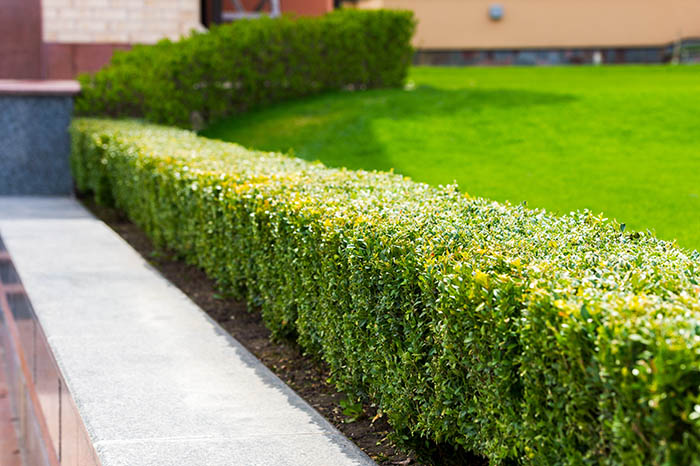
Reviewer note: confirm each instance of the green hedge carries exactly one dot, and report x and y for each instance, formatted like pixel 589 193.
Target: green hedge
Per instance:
pixel 250 63
pixel 526 337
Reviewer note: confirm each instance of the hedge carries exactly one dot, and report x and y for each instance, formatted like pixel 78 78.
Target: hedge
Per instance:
pixel 524 336
pixel 251 63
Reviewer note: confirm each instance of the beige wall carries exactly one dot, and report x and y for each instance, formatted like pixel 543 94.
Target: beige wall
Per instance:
pixel 118 21
pixel 464 24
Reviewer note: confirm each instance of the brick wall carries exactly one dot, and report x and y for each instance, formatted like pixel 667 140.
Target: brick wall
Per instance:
pixel 82 35
pixel 118 21
pixel 20 39
pixel 299 7
pixel 307 7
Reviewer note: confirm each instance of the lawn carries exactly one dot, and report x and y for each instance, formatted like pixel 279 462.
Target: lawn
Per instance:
pixel 620 140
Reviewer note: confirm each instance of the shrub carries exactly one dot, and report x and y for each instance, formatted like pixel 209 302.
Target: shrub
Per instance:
pixel 527 337
pixel 250 63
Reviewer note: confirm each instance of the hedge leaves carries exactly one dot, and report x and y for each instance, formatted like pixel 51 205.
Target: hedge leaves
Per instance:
pixel 517 334
pixel 250 63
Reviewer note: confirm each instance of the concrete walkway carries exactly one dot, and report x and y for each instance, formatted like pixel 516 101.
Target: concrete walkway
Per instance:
pixel 156 381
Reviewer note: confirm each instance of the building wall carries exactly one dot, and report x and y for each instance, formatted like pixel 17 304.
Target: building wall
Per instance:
pixel 307 7
pixel 465 24
pixel 82 35
pixel 300 7
pixel 67 60
pixel 118 21
pixel 20 39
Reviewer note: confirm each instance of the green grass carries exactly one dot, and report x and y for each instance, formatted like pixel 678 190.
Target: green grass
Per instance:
pixel 620 140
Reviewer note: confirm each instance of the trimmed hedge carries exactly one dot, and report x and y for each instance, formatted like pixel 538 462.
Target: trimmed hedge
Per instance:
pixel 520 335
pixel 250 63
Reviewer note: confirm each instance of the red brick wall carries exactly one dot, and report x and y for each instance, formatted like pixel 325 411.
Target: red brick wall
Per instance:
pixel 307 7
pixel 65 61
pixel 20 39
pixel 301 7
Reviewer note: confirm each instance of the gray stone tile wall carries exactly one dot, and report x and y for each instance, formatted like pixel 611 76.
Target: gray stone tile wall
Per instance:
pixel 34 145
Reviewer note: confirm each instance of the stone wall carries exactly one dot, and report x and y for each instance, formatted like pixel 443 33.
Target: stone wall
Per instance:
pixel 35 143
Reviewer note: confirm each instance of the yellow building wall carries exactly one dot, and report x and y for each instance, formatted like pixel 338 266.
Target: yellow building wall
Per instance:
pixel 465 24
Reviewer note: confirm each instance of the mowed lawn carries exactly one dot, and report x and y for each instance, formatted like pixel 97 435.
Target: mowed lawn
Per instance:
pixel 624 141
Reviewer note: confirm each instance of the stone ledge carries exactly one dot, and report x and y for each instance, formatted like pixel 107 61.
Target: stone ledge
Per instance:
pixel 38 87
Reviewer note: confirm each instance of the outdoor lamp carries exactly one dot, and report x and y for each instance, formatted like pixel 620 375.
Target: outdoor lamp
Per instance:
pixel 496 12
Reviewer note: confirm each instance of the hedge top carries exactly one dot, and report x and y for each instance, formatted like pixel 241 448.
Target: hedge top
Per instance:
pixel 599 257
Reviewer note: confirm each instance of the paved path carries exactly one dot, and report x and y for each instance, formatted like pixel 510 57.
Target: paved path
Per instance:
pixel 156 380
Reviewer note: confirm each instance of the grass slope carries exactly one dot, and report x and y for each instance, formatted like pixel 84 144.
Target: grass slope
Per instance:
pixel 621 140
